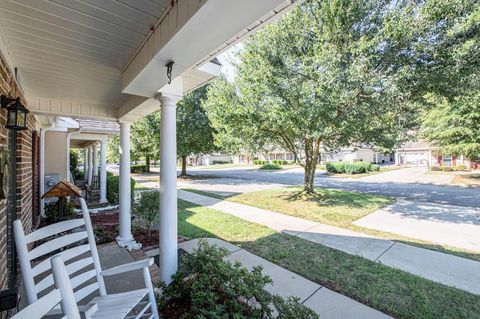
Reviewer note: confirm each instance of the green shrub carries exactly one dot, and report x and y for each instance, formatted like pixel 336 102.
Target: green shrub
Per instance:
pixel 436 168
pixel 53 214
pixel 271 167
pixel 446 168
pixel 113 185
pixel 221 162
pixel 461 167
pixel 336 167
pixel 141 168
pixel 104 235
pixel 355 168
pixel 147 208
pixel 375 168
pixel 260 162
pixel 280 162
pixel 208 286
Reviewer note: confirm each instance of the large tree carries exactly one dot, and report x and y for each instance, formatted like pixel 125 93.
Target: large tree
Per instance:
pixel 194 130
pixel 146 138
pixel 332 74
pixel 454 126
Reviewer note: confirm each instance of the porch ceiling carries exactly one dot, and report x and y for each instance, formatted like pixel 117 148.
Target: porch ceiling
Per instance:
pixel 75 49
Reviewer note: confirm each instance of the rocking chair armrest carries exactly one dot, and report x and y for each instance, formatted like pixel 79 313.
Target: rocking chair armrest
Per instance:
pixel 127 267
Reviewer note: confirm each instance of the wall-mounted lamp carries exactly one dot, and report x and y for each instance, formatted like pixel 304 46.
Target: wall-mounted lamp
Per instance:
pixel 169 67
pixel 17 113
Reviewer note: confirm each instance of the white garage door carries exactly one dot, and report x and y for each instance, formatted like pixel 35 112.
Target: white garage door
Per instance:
pixel 414 158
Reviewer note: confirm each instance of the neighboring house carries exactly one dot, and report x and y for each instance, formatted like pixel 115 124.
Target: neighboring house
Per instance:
pixel 349 154
pixel 205 160
pixel 422 153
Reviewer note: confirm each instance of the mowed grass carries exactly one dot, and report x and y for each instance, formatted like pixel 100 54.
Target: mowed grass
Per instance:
pixel 327 206
pixel 472 180
pixel 392 291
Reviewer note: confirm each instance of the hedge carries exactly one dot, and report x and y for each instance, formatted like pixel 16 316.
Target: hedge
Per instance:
pixel 113 184
pixel 351 168
pixel 280 162
pixel 260 162
pixel 271 167
pixel 221 162
pixel 141 168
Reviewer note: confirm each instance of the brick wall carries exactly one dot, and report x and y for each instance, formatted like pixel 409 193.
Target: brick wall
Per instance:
pixel 24 184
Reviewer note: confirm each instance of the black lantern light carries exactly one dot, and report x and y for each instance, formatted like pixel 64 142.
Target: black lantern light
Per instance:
pixel 17 113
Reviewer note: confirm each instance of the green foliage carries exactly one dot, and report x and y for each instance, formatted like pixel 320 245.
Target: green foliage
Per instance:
pixel 221 162
pixel 207 286
pixel 461 167
pixel 104 235
pixel 140 168
pixel 280 162
pixel 351 168
pixel 113 146
pixel 53 214
pixel 113 188
pixel 270 167
pixel 435 168
pixel 335 167
pixel 454 125
pixel 147 207
pixel 260 162
pixel 291 308
pixel 74 162
pixel 194 130
pixel 145 138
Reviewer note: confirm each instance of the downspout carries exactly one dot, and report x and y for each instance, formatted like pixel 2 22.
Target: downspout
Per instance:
pixel 69 135
pixel 43 131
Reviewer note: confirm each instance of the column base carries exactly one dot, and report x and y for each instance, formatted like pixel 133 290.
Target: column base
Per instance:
pixel 129 244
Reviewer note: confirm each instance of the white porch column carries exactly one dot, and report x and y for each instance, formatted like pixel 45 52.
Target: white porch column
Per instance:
pixel 85 165
pixel 95 159
pixel 103 170
pixel 168 187
pixel 90 165
pixel 125 238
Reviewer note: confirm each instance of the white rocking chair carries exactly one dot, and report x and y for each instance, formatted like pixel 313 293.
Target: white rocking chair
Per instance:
pixel 61 295
pixel 71 246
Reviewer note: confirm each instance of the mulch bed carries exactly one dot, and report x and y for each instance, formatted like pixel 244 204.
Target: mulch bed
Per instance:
pixel 106 226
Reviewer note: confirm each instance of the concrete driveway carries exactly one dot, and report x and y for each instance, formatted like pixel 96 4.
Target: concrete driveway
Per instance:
pixel 442 224
pixel 417 175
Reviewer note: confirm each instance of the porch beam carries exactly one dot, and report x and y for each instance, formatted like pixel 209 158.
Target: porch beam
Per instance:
pixel 95 159
pixel 168 187
pixel 90 165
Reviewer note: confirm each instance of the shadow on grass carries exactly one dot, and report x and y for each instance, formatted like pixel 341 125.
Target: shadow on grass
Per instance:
pixel 329 197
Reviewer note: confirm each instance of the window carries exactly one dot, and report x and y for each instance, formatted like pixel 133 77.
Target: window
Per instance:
pixel 447 160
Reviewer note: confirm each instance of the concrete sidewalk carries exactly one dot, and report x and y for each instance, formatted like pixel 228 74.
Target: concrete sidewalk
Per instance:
pixel 447 269
pixel 455 226
pixel 325 302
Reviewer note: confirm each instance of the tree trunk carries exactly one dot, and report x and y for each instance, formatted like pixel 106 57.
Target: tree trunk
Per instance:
pixel 147 161
pixel 184 166
pixel 312 149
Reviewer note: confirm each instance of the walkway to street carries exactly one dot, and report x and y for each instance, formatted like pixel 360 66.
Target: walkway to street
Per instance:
pixel 439 267
pixel 325 302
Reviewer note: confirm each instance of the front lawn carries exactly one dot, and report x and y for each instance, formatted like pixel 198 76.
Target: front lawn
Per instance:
pixel 471 180
pixel 328 206
pixel 335 208
pixel 392 291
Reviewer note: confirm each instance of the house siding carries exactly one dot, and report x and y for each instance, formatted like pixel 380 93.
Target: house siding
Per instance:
pixel 24 182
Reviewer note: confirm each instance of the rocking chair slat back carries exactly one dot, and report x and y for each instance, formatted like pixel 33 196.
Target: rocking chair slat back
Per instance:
pixel 57 243
pixel 54 229
pixel 65 240
pixel 66 255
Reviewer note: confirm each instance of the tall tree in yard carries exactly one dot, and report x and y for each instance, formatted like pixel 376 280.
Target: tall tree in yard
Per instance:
pixel 335 73
pixel 146 138
pixel 194 130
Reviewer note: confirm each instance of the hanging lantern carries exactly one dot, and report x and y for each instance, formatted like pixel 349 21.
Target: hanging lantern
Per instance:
pixel 17 113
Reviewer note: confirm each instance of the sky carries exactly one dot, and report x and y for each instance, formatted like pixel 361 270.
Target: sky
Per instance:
pixel 227 59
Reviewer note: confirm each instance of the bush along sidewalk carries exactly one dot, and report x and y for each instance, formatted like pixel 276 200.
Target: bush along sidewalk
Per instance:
pixel 351 168
pixel 207 286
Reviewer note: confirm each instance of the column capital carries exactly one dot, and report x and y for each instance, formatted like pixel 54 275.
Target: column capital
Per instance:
pixel 168 99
